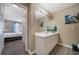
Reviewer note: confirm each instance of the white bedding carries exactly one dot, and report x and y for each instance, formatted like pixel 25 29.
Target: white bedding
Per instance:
pixel 7 35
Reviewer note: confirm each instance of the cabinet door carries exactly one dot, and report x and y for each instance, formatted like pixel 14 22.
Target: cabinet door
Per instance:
pixel 1 28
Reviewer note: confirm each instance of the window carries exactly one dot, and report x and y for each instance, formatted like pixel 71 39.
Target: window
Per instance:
pixel 17 27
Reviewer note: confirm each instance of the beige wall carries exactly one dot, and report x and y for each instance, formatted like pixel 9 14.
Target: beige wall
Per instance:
pixel 69 33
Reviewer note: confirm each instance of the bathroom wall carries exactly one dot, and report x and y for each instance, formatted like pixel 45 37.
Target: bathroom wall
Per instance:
pixel 46 23
pixel 69 33
pixel 39 28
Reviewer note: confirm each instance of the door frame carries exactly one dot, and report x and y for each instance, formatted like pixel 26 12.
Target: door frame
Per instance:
pixel 2 35
pixel 26 20
pixel 25 30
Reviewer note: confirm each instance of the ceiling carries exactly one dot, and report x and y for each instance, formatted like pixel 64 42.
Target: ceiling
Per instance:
pixel 14 12
pixel 17 13
pixel 52 7
pixel 40 13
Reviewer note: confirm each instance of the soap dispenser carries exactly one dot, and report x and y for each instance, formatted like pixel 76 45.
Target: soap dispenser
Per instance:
pixel 55 28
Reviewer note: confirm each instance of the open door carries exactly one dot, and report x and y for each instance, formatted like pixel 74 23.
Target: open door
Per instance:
pixel 1 28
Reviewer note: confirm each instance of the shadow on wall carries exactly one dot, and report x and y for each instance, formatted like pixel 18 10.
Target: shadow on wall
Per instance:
pixel 59 38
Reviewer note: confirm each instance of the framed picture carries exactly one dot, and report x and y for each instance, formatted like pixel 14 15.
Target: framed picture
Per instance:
pixel 71 19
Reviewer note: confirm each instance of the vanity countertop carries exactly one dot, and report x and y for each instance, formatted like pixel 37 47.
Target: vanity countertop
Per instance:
pixel 45 34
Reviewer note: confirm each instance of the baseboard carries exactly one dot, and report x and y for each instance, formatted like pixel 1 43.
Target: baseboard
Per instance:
pixel 31 52
pixel 65 45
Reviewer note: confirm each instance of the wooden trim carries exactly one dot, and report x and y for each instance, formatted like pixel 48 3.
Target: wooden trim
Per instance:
pixel 31 52
pixel 65 45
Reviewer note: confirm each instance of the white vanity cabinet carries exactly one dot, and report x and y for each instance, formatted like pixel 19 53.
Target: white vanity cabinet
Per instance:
pixel 45 42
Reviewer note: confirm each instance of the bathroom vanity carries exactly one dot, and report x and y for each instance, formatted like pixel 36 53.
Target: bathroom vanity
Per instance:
pixel 45 42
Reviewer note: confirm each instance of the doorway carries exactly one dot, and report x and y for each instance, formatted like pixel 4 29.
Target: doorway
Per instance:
pixel 14 16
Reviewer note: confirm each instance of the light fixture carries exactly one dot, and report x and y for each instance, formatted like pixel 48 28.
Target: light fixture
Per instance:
pixel 43 11
pixel 14 5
